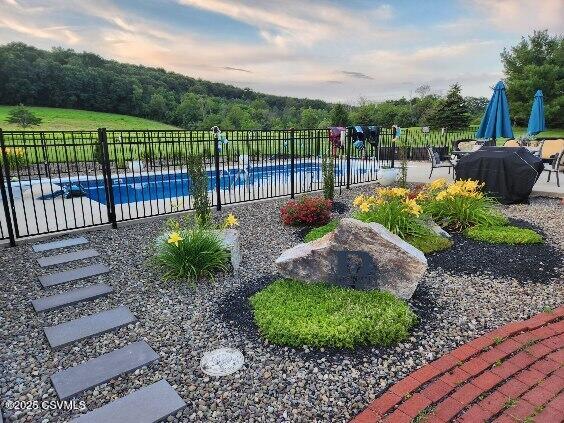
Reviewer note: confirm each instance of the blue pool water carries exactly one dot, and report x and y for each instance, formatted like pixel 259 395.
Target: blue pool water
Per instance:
pixel 157 187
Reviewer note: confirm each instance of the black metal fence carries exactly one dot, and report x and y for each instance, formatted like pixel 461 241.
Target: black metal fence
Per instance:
pixel 53 181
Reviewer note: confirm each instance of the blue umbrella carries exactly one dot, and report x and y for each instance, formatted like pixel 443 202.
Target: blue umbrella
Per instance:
pixel 536 120
pixel 496 122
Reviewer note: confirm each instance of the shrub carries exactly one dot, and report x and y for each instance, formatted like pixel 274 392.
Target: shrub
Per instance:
pixel 192 254
pixel 459 205
pixel 295 313
pixel 328 170
pixel 511 235
pixel 199 189
pixel 392 208
pixel 317 233
pixel 309 211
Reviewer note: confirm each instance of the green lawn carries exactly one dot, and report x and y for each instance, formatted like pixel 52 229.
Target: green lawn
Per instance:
pixel 55 119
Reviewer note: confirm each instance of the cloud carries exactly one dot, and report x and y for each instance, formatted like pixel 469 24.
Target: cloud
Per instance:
pixel 53 33
pixel 236 69
pixel 357 75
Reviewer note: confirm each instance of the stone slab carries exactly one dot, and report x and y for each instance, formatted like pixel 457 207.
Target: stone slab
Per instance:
pixel 149 404
pixel 66 257
pixel 73 274
pixel 96 371
pixel 52 302
pixel 87 326
pixel 64 243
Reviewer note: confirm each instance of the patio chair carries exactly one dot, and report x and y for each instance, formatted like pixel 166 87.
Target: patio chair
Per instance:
pixel 555 167
pixel 437 161
pixel 550 148
pixel 511 143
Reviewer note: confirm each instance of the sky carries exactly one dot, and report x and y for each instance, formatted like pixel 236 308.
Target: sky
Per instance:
pixel 333 50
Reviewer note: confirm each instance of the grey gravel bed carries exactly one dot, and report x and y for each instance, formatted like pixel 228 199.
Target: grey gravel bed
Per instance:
pixel 181 323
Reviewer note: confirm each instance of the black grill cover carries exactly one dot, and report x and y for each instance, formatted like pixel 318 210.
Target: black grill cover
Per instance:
pixel 509 173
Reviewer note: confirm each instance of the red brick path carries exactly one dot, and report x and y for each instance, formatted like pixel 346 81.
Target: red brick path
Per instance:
pixel 513 374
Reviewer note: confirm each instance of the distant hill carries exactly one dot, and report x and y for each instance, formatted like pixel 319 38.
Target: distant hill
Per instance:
pixel 67 79
pixel 54 119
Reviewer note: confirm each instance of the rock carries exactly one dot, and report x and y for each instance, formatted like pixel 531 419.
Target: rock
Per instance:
pixel 360 255
pixel 437 229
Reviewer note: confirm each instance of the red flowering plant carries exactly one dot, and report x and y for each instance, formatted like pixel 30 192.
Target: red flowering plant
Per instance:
pixel 308 211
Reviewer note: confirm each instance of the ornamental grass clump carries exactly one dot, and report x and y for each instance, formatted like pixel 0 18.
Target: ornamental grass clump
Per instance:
pixel 459 205
pixel 194 252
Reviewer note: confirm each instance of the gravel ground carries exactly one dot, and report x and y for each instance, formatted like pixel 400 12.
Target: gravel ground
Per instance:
pixel 276 384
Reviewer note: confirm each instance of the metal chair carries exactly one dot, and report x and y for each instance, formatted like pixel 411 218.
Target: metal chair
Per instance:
pixel 437 161
pixel 555 167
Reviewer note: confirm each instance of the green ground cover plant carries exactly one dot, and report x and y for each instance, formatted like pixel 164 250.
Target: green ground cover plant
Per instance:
pixel 511 235
pixel 294 313
pixel 317 233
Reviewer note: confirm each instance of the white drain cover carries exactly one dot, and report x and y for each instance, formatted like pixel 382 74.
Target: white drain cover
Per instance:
pixel 222 362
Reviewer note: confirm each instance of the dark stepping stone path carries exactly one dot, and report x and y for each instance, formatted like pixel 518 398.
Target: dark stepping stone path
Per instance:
pixel 77 379
pixel 73 275
pixel 87 326
pixel 149 404
pixel 59 244
pixel 74 296
pixel 67 257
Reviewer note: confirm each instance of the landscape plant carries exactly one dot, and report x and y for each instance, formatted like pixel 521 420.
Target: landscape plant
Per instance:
pixel 295 313
pixel 398 211
pixel 459 205
pixel 199 189
pixel 511 235
pixel 192 252
pixel 15 157
pixel 328 170
pixel 307 211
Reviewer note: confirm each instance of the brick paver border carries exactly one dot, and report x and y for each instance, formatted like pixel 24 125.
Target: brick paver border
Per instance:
pixel 512 374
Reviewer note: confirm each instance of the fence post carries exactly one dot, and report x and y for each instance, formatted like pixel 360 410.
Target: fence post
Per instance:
pixel 348 140
pixel 394 132
pixel 217 176
pixel 9 226
pixel 107 173
pixel 292 164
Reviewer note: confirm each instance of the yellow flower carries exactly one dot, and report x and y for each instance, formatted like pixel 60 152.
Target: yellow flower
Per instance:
pixel 364 207
pixel 359 200
pixel 231 221
pixel 399 192
pixel 441 195
pixel 413 207
pixel 175 238
pixel 438 184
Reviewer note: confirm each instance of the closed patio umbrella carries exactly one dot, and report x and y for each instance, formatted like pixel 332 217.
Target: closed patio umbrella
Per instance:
pixel 496 122
pixel 536 120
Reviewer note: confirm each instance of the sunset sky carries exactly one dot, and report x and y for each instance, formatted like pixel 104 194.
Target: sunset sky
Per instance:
pixel 319 49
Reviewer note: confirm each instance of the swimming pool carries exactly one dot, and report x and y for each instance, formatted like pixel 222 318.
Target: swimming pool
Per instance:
pixel 160 186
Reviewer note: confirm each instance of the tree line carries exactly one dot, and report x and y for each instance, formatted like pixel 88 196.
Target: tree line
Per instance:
pixel 65 78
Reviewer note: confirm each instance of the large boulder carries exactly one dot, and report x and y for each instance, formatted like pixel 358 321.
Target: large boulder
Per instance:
pixel 357 255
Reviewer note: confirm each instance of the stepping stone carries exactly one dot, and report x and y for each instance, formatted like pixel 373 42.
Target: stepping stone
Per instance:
pixel 59 244
pixel 74 296
pixel 87 326
pixel 77 379
pixel 73 274
pixel 149 404
pixel 65 258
